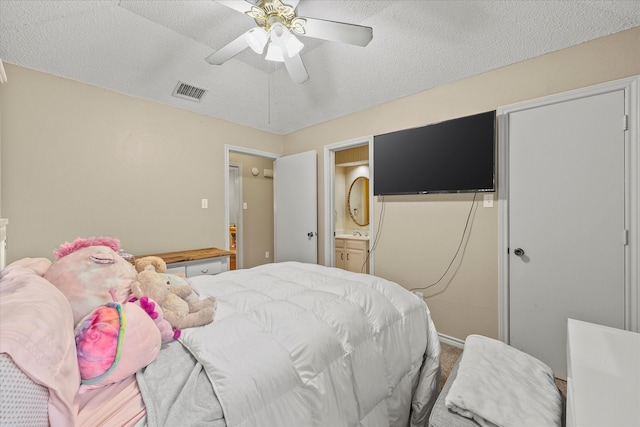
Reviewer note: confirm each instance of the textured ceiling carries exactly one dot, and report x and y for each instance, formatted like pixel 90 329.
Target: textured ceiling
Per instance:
pixel 143 48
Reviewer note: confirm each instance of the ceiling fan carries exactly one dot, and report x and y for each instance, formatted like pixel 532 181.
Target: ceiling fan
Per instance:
pixel 278 25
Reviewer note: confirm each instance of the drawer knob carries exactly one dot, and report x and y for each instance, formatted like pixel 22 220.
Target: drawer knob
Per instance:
pixel 204 270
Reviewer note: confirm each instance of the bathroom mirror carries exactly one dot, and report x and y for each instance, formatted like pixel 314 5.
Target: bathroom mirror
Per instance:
pixel 358 201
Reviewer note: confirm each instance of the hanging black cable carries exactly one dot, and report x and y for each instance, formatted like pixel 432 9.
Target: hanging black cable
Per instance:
pixel 376 237
pixel 464 232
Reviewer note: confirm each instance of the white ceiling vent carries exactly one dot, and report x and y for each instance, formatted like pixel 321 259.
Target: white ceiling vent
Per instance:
pixel 189 92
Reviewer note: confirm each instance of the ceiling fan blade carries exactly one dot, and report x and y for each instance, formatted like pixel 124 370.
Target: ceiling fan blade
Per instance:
pixel 241 6
pixel 338 31
pixel 296 68
pixel 227 52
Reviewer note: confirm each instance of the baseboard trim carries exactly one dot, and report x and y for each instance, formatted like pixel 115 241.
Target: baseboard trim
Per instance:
pixel 451 340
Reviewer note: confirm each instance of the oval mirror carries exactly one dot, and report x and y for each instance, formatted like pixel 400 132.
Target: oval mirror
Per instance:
pixel 358 201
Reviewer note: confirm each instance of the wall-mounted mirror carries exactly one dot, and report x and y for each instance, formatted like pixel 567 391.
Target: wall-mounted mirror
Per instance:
pixel 358 201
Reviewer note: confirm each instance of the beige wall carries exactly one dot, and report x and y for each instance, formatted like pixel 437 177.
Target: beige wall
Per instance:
pixel 419 234
pixel 78 160
pixel 340 199
pixel 257 219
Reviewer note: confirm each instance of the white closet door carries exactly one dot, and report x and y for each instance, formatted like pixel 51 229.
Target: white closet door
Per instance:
pixel 566 214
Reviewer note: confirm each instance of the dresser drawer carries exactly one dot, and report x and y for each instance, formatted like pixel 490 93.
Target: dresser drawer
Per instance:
pixel 178 271
pixel 357 244
pixel 207 266
pixel 195 262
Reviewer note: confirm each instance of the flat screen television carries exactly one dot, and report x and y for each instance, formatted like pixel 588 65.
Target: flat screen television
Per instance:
pixel 455 156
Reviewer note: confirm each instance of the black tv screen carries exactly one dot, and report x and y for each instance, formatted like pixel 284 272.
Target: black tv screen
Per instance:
pixel 455 156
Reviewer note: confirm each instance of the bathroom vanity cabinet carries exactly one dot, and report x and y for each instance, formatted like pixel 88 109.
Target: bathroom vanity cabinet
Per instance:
pixel 351 254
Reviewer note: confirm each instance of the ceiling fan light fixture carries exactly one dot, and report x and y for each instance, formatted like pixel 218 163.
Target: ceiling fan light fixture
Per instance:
pixel 294 46
pixel 278 25
pixel 279 33
pixel 286 42
pixel 257 39
pixel 274 53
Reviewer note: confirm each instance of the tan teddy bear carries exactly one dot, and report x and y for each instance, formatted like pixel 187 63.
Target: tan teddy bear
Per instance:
pixel 158 263
pixel 172 299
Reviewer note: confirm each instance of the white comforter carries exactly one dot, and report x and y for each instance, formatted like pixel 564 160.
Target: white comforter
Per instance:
pixel 498 385
pixel 305 345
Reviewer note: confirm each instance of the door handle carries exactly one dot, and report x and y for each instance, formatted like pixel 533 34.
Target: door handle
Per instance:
pixel 310 234
pixel 518 252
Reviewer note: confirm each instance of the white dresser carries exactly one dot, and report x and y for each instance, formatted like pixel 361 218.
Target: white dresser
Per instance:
pixel 195 262
pixel 603 376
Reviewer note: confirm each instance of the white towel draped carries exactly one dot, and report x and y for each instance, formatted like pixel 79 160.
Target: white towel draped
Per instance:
pixel 498 385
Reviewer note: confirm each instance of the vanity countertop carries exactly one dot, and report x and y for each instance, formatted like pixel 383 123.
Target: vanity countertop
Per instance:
pixel 351 236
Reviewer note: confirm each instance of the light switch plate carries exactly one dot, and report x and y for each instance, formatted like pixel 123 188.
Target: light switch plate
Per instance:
pixel 488 200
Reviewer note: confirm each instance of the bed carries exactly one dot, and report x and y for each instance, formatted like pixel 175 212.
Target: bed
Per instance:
pixel 292 344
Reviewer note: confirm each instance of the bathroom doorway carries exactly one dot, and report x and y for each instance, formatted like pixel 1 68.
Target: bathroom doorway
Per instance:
pixel 345 163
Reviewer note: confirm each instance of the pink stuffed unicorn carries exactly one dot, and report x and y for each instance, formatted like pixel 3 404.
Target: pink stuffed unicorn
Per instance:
pixel 114 341
pixel 155 312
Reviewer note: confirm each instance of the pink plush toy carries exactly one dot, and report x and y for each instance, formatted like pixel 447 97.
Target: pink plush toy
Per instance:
pixel 68 247
pixel 113 342
pixel 86 270
pixel 154 311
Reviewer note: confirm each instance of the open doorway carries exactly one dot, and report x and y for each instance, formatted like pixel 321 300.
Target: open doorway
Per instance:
pixel 249 213
pixel 235 213
pixel 280 222
pixel 346 163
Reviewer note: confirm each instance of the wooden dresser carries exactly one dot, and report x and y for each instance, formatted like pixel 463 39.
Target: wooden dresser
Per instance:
pixel 195 262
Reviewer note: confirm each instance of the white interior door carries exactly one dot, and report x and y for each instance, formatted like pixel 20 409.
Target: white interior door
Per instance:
pixel 296 208
pixel 566 219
